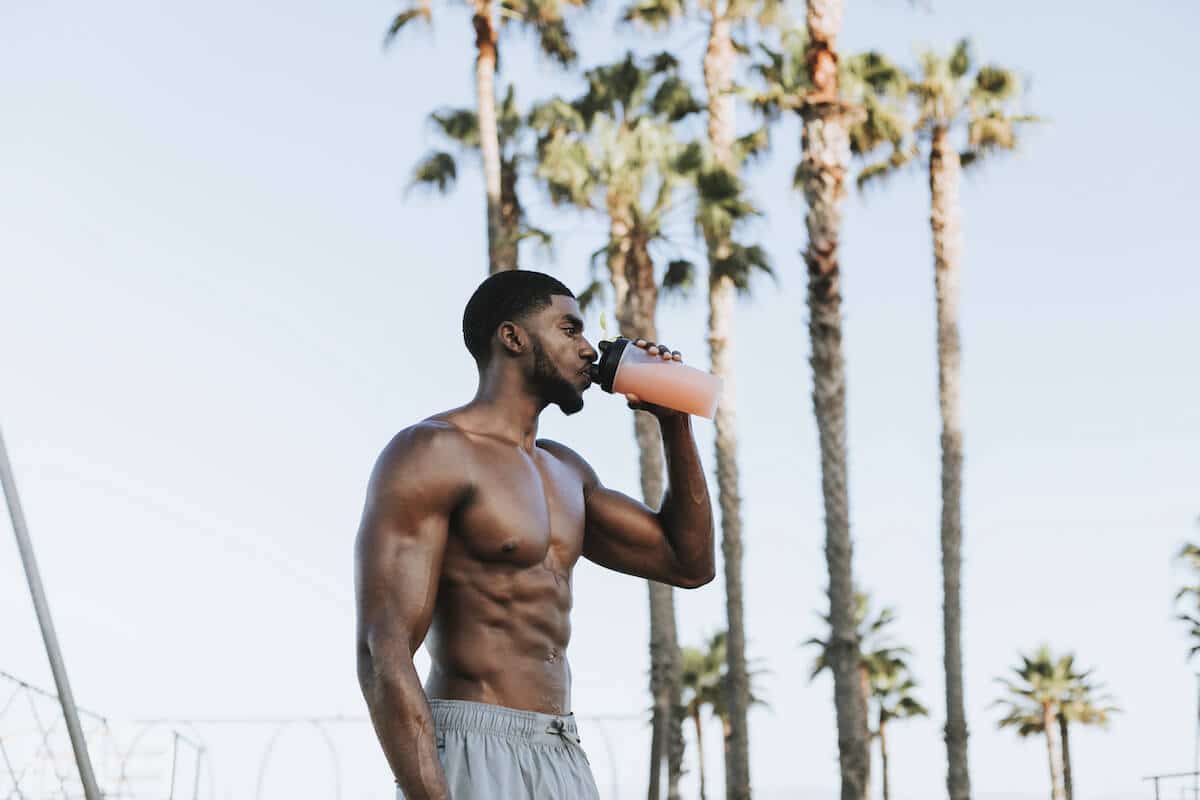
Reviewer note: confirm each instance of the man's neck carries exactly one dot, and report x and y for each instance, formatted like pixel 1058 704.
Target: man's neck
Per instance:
pixel 503 407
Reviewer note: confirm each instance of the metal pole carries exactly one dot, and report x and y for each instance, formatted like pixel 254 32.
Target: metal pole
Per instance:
pixel 86 776
pixel 174 761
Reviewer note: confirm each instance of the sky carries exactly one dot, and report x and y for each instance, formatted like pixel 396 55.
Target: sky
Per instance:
pixel 218 301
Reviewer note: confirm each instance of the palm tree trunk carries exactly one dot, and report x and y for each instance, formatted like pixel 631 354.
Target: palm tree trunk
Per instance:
pixel 946 222
pixel 1052 750
pixel 864 678
pixel 1063 725
pixel 510 215
pixel 883 757
pixel 632 274
pixel 699 749
pixel 489 139
pixel 826 154
pixel 718 79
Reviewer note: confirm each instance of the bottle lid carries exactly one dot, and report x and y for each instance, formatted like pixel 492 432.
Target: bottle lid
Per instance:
pixel 605 371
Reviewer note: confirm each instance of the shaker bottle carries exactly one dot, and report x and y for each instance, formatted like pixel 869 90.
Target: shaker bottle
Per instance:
pixel 625 368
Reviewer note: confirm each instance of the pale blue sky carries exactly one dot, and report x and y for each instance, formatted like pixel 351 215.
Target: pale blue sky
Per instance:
pixel 217 303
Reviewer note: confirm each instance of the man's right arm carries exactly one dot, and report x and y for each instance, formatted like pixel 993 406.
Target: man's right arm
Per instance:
pixel 398 557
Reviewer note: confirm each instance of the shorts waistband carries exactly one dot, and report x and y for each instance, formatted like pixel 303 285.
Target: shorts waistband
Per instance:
pixel 467 715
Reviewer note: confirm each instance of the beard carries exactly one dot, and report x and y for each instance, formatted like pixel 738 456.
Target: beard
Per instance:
pixel 551 385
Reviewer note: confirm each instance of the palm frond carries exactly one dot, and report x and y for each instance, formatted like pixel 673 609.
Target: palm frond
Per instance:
pixel 740 264
pixel 565 167
pixel 993 132
pixel 995 84
pixel 679 278
pixel 437 170
pixel 542 238
pixel 674 99
pixel 555 41
pixel 873 173
pixel 689 159
pixel 883 123
pixel 459 124
pixel 594 292
pixel 554 116
pixel 782 75
pixel 721 202
pixel 418 12
pixel 960 58
pixel 752 146
pixel 654 14
pixel 874 73
pixel 663 62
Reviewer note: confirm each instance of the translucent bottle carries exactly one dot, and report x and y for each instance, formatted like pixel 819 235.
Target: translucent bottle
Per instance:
pixel 625 368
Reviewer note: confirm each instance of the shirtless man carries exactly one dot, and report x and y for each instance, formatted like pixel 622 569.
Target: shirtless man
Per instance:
pixel 470 533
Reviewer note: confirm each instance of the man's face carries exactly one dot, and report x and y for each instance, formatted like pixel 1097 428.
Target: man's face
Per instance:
pixel 561 354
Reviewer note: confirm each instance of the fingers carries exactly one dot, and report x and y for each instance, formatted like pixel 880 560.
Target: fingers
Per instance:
pixel 661 350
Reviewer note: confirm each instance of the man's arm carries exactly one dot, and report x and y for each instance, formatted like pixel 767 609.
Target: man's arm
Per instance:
pixel 398 556
pixel 673 545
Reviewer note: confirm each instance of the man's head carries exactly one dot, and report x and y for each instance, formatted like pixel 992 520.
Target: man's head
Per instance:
pixel 531 321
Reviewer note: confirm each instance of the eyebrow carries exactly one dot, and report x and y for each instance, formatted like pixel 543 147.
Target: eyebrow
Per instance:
pixel 574 320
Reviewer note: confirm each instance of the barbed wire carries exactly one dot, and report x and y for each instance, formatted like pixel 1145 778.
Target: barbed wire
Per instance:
pixel 36 760
pixel 170 756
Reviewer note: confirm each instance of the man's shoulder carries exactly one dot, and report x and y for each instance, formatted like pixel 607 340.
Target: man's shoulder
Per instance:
pixel 426 437
pixel 430 450
pixel 569 457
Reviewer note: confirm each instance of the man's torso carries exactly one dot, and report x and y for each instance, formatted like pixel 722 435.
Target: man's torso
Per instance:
pixel 501 622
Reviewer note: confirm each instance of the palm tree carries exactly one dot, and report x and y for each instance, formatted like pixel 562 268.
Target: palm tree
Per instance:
pixel 729 265
pixel 825 150
pixel 803 76
pixel 949 93
pixel 892 687
pixel 439 168
pixel 1189 556
pixel 607 151
pixel 706 683
pixel 546 19
pixel 1047 681
pixel 701 682
pixel 1033 703
pixel 1084 706
pixel 878 657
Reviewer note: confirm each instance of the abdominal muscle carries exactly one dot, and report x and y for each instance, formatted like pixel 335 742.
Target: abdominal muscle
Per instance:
pixel 499 635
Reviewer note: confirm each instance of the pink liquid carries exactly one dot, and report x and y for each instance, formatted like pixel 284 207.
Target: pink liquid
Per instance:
pixel 666 383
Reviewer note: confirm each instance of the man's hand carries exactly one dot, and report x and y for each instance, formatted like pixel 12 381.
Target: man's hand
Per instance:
pixel 635 402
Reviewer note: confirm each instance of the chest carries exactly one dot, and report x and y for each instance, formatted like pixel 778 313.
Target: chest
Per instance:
pixel 525 510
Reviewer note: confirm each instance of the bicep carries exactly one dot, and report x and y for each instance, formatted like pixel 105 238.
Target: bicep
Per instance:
pixel 626 535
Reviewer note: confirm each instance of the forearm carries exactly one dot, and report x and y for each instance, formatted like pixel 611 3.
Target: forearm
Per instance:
pixel 403 722
pixel 686 512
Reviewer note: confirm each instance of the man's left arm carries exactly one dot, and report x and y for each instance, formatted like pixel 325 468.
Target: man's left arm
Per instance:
pixel 673 545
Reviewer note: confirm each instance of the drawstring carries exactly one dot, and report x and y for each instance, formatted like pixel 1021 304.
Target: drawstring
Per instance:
pixel 559 728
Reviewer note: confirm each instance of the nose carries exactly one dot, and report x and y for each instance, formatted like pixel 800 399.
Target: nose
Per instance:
pixel 589 352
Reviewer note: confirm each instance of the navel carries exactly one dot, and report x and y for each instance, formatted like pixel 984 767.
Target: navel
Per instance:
pixel 508 547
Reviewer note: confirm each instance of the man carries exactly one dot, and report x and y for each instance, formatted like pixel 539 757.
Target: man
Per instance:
pixel 470 533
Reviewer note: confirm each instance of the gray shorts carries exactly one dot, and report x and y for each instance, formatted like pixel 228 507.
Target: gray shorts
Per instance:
pixel 495 753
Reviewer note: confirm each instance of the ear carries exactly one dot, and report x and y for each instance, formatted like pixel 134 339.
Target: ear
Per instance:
pixel 513 338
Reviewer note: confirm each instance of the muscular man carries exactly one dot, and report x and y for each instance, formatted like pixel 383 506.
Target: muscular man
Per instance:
pixel 470 533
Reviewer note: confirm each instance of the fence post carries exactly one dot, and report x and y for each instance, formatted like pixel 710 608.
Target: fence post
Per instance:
pixel 87 777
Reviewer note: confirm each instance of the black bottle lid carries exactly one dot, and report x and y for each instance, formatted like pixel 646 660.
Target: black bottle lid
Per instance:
pixel 605 371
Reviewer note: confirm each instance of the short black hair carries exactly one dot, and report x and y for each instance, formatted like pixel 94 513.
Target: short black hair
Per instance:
pixel 508 295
